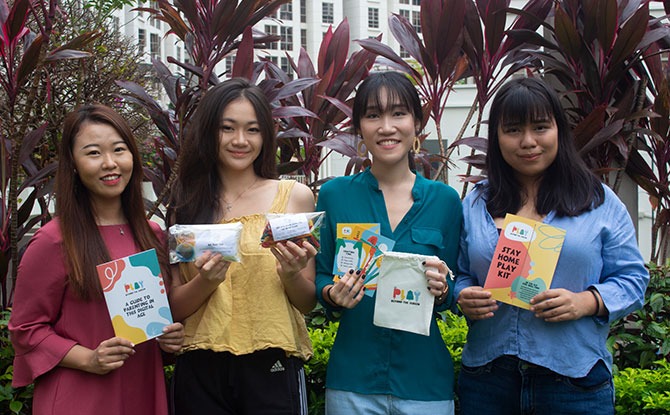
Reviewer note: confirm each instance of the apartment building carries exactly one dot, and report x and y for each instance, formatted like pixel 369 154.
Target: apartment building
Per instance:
pixel 302 24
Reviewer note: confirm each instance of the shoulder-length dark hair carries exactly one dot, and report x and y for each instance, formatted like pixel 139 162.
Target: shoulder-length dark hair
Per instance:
pixel 398 89
pixel 567 186
pixel 195 197
pixel 82 242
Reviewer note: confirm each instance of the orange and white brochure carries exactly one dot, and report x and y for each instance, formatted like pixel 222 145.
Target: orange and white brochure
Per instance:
pixel 524 260
pixel 135 294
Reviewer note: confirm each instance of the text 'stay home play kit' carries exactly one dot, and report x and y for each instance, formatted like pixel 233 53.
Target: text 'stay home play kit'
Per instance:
pixel 135 295
pixel 524 260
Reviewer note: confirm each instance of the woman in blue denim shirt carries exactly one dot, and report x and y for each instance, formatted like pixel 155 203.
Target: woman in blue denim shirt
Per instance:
pixel 552 358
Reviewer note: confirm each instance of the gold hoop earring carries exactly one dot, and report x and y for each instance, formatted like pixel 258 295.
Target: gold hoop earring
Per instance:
pixel 416 146
pixel 359 149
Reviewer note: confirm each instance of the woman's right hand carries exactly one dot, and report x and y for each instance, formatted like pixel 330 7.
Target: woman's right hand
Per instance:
pixel 212 267
pixel 476 303
pixel 348 291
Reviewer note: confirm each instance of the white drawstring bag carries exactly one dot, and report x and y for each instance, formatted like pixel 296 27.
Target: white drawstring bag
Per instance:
pixel 403 301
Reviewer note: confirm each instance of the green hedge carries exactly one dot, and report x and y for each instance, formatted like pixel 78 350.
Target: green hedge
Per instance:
pixel 640 344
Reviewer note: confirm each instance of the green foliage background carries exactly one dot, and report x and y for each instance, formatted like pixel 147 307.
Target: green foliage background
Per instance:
pixel 639 344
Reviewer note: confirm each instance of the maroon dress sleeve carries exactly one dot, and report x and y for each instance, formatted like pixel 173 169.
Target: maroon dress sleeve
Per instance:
pixel 40 289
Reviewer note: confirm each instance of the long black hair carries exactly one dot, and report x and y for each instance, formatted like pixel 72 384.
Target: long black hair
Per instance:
pixel 567 186
pixel 195 197
pixel 83 245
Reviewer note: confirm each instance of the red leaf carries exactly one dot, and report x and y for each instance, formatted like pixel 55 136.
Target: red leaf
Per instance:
pixel 30 141
pixel 29 60
pixel 630 36
pixel 244 59
pixel 566 34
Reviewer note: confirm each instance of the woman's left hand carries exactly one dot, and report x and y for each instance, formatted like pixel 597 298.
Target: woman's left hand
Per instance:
pixel 291 257
pixel 172 338
pixel 560 304
pixel 437 273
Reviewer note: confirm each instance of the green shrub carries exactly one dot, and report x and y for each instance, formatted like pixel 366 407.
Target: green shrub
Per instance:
pixel 315 370
pixel 643 391
pixel 453 329
pixel 643 337
pixel 12 400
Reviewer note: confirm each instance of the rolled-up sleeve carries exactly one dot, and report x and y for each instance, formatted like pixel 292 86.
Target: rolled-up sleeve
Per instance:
pixel 624 277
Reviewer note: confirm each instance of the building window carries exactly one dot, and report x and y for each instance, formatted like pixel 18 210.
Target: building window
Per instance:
pixel 303 38
pixel 141 41
pixel 404 54
pixel 272 31
pixel 303 11
pixel 152 20
pixel 404 1
pixel 416 21
pixel 273 59
pixel 416 2
pixel 405 14
pixel 286 66
pixel 286 38
pixel 328 13
pixel 155 46
pixel 116 24
pixel 286 11
pixel 230 60
pixel 373 17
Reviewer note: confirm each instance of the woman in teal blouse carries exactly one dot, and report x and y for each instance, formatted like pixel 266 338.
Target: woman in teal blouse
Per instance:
pixel 374 369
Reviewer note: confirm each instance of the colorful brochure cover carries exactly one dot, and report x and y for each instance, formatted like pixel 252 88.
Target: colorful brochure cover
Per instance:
pixel 135 295
pixel 524 260
pixel 360 246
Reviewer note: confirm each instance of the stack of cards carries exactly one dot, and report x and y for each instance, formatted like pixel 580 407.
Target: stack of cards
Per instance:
pixel 360 246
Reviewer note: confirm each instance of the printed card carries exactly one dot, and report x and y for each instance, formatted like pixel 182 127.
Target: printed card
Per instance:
pixel 135 295
pixel 360 246
pixel 524 260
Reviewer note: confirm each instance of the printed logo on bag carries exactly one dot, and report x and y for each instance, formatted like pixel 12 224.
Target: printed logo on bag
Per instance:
pixel 405 296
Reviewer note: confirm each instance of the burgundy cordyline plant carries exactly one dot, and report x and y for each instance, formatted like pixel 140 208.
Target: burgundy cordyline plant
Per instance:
pixel 210 31
pixel 25 58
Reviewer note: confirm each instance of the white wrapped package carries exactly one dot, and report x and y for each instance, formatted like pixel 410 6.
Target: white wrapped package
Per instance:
pixel 187 242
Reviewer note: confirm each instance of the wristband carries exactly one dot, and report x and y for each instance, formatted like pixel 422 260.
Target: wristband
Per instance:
pixel 595 296
pixel 331 298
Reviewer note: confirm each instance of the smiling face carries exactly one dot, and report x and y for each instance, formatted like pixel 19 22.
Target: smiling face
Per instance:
pixel 529 148
pixel 388 130
pixel 103 161
pixel 240 138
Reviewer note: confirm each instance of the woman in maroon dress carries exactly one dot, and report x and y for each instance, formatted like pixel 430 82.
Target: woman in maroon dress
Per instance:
pixel 60 326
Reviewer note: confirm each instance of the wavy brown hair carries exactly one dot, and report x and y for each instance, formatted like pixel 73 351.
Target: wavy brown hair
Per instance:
pixel 82 243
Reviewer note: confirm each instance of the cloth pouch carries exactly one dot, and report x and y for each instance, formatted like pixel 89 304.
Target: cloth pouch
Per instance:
pixel 403 301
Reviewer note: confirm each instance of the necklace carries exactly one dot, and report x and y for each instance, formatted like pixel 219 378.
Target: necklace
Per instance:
pixel 229 205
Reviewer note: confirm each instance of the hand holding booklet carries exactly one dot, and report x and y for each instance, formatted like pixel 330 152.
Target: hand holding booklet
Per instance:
pixel 135 294
pixel 524 260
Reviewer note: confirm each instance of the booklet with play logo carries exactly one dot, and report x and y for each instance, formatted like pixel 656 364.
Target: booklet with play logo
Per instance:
pixel 135 295
pixel 524 260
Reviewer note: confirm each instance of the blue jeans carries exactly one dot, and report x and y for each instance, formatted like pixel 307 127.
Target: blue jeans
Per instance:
pixel 510 386
pixel 350 403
